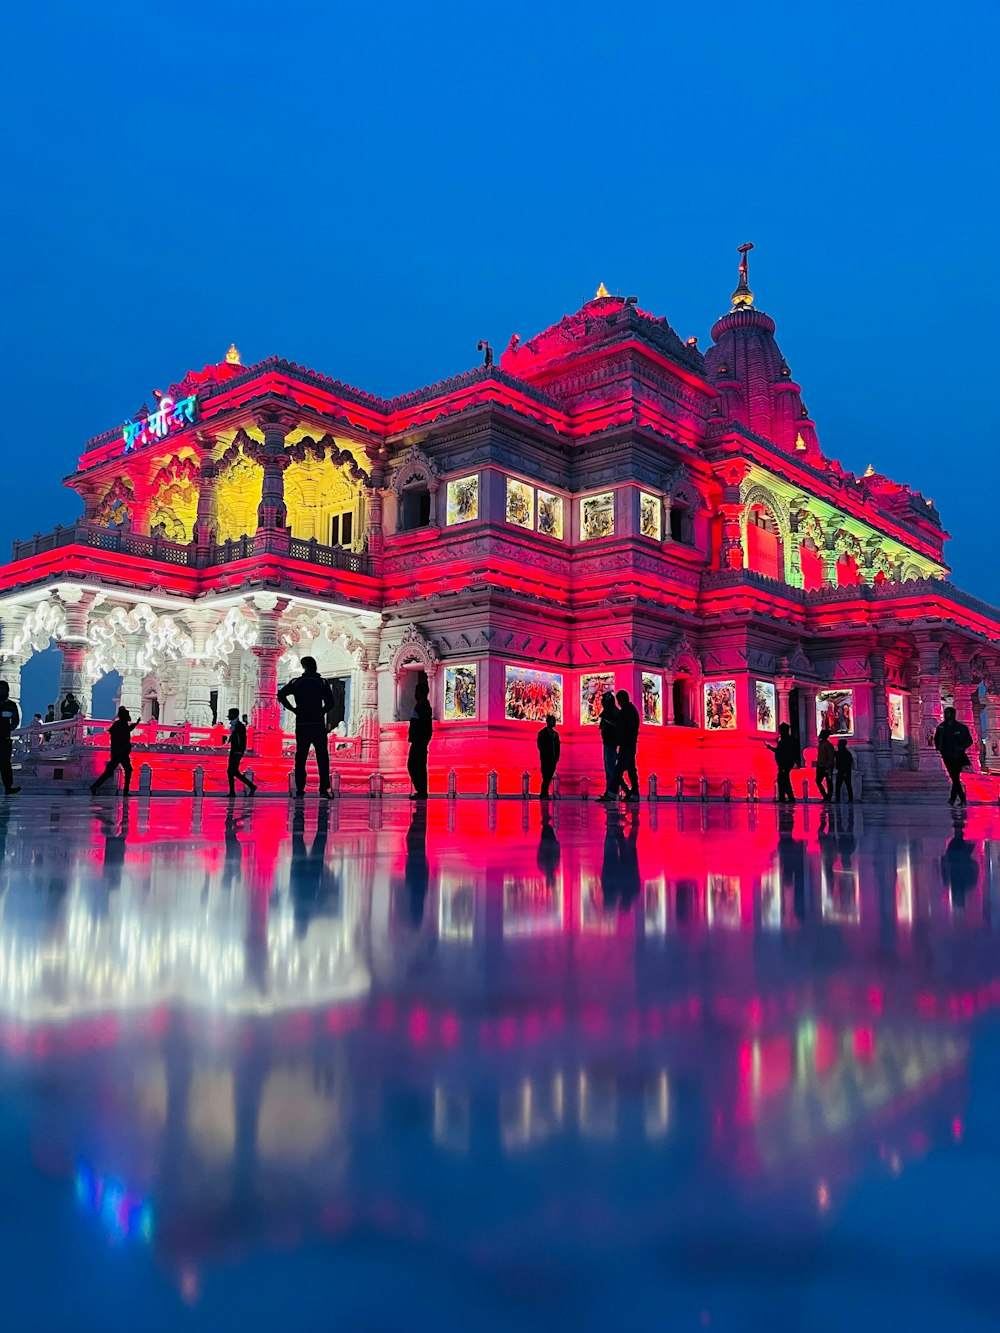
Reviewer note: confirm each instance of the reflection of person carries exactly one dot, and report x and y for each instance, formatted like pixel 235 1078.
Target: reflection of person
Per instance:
pixel 959 867
pixel 951 740
pixel 609 723
pixel 844 765
pixel 120 732
pixel 237 749
pixel 232 870
pixel 548 849
pixel 419 734
pixel 628 741
pixel 305 874
pixel 620 865
pixel 416 870
pixel 826 762
pixel 548 744
pixel 114 850
pixel 313 701
pixel 786 756
pixel 10 720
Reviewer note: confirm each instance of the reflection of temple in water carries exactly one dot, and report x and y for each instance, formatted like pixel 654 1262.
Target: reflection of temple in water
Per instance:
pixel 252 1006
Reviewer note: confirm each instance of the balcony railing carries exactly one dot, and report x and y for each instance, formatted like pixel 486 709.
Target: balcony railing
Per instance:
pixel 179 553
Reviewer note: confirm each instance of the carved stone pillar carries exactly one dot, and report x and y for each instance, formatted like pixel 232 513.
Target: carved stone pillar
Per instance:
pixel 732 555
pixel 73 643
pixel 370 728
pixel 928 759
pixel 265 715
pixel 668 700
pixel 198 703
pixel 881 737
pixel 141 508
pixel 374 535
pixel 966 710
pixel 275 422
pixel 206 523
pixel 783 686
pixel 991 735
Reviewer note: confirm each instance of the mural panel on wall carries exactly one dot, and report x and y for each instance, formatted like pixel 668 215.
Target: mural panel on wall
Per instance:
pixel 650 513
pixel 897 715
pixel 460 692
pixel 720 705
pixel 835 712
pixel 530 696
pixel 463 500
pixel 597 516
pixel 591 689
pixel 764 701
pixel 652 698
pixel 550 515
pixel 520 503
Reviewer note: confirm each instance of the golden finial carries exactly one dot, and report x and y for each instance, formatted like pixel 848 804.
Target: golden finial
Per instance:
pixel 233 355
pixel 602 291
pixel 869 471
pixel 743 296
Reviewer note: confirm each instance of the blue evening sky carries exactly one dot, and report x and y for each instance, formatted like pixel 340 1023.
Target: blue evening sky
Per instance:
pixel 370 189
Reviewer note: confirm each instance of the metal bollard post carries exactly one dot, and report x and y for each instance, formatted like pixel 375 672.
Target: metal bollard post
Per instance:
pixel 679 788
pixel 452 785
pixel 727 789
pixel 335 784
pixel 704 789
pixel 555 787
pixel 653 788
pixel 751 790
pixel 291 784
pixel 145 780
pixel 249 773
pixel 776 793
pixel 372 786
pixel 525 785
pixel 492 782
pixel 805 789
pixel 198 780
pixel 585 788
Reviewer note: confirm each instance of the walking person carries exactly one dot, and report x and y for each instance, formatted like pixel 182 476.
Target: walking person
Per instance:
pixel 628 743
pixel 549 745
pixel 844 763
pixel 786 757
pixel 10 720
pixel 951 740
pixel 120 732
pixel 419 737
pixel 237 749
pixel 609 724
pixel 826 762
pixel 313 701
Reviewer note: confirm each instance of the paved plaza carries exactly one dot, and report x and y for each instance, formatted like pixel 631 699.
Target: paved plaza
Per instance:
pixel 273 1065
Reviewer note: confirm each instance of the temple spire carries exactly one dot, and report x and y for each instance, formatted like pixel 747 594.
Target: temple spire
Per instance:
pixel 601 292
pixel 233 356
pixel 743 296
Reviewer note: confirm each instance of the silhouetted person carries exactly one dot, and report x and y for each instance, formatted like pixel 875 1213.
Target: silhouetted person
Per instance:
pixel 628 742
pixel 959 867
pixel 609 721
pixel 305 874
pixel 826 762
pixel 10 720
pixel 549 746
pixel 419 736
pixel 845 772
pixel 237 749
pixel 69 707
pixel 951 740
pixel 245 719
pixel 549 853
pixel 50 713
pixel 416 870
pixel 313 701
pixel 786 756
pixel 120 732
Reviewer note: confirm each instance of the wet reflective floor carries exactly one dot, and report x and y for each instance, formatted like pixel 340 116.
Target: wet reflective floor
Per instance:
pixel 498 1065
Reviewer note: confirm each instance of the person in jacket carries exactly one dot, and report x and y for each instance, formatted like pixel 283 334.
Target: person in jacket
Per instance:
pixel 628 743
pixel 609 723
pixel 69 708
pixel 237 749
pixel 951 740
pixel 10 720
pixel 549 746
pixel 419 736
pixel 826 763
pixel 844 767
pixel 313 700
pixel 786 757
pixel 120 732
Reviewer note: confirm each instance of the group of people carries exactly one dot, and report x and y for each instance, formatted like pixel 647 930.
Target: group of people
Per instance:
pixel 952 740
pixel 618 724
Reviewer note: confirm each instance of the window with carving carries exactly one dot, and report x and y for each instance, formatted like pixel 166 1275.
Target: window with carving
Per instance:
pixel 765 554
pixel 681 524
pixel 414 508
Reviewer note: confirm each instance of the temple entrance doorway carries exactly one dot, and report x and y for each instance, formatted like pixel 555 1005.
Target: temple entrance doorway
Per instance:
pixel 410 679
pixel 682 708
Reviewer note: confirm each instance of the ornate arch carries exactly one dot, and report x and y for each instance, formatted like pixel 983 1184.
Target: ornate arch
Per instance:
pixel 162 640
pixel 754 495
pixel 415 466
pixel 306 626
pixel 115 503
pixel 327 448
pixel 414 649
pixel 684 494
pixel 43 623
pixel 680 658
pixel 878 561
pixel 846 543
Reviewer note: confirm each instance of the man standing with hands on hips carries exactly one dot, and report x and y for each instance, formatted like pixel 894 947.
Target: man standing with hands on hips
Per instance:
pixel 313 701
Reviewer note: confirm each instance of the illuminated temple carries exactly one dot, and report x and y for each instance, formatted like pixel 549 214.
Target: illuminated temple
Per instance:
pixel 606 505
